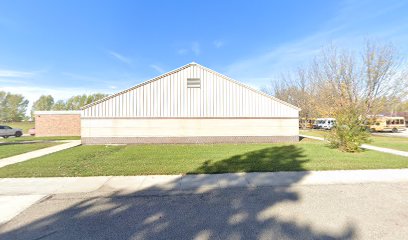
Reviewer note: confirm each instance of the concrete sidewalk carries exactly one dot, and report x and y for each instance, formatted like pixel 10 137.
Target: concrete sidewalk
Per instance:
pixel 38 153
pixel 193 183
pixel 18 194
pixel 11 206
pixel 368 147
pixel 385 150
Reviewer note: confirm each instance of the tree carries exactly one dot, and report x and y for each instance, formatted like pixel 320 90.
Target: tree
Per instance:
pixel 95 97
pixel 349 87
pixel 382 76
pixel 3 106
pixel 59 105
pixel 296 89
pixel 76 102
pixel 44 103
pixel 13 107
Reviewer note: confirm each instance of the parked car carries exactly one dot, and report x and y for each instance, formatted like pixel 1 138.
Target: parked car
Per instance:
pixel 31 131
pixel 384 124
pixel 324 123
pixel 6 131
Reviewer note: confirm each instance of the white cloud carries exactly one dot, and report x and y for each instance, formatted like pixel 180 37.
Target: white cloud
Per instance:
pixel 194 48
pixel 218 43
pixel 4 73
pixel 157 68
pixel 120 57
pixel 92 79
pixel 344 30
pixel 262 68
pixel 15 77
pixel 12 81
pixel 81 77
pixel 182 51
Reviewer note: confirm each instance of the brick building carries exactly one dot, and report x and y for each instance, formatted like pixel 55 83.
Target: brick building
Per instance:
pixel 57 123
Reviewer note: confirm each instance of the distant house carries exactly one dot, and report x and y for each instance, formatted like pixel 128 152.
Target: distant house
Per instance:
pixel 191 104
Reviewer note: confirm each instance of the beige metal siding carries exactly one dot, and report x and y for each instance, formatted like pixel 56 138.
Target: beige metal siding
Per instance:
pixel 188 127
pixel 169 97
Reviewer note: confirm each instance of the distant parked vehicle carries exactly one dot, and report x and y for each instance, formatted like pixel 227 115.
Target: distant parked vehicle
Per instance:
pixel 6 131
pixel 306 123
pixel 387 124
pixel 31 131
pixel 325 123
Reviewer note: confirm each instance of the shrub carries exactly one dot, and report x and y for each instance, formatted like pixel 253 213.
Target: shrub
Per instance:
pixel 350 131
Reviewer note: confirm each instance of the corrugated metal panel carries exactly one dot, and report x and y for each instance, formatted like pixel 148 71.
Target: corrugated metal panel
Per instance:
pixel 169 96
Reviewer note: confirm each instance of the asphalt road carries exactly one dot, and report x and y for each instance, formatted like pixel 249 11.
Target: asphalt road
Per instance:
pixel 352 211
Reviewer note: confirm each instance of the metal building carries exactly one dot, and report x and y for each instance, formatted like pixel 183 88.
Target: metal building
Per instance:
pixel 191 104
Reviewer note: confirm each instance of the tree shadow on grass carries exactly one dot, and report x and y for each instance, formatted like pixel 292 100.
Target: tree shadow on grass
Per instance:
pixel 271 159
pixel 183 207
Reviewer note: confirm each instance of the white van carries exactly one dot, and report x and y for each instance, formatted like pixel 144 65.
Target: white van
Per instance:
pixel 325 123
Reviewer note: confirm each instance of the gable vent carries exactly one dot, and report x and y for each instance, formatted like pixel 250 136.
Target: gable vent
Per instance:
pixel 193 83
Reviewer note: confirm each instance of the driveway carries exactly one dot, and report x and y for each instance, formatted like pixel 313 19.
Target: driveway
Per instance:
pixel 375 210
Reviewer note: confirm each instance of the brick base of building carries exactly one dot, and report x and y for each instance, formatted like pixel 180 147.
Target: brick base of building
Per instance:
pixel 187 140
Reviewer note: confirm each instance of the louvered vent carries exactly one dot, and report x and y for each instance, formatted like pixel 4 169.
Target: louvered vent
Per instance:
pixel 193 83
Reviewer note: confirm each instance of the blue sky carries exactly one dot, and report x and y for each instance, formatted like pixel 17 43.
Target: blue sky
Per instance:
pixel 64 49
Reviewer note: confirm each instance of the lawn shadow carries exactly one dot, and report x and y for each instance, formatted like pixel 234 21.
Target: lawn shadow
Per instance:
pixel 24 142
pixel 271 159
pixel 203 209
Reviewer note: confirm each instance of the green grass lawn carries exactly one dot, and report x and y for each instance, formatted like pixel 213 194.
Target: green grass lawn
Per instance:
pixel 31 138
pixel 314 132
pixel 15 149
pixel 397 143
pixel 23 125
pixel 205 158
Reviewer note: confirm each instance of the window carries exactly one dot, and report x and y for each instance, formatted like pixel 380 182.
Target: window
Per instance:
pixel 193 83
